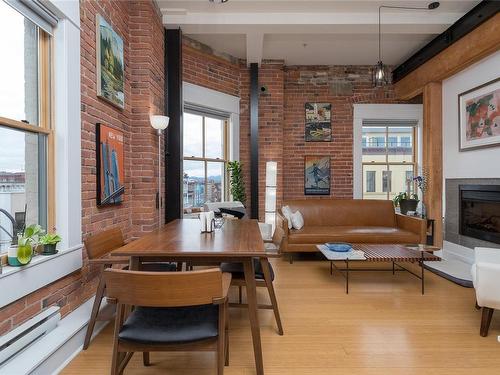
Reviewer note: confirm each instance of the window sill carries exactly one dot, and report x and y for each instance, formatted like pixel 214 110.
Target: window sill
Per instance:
pixel 17 282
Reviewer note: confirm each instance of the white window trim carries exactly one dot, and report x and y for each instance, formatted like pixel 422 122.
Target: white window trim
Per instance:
pixel 17 282
pixel 380 111
pixel 208 98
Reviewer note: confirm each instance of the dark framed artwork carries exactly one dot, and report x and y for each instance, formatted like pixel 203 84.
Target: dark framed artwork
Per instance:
pixel 479 116
pixel 317 175
pixel 110 64
pixel 318 122
pixel 109 169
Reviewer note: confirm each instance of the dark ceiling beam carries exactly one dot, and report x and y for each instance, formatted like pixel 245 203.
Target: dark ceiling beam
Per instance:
pixel 475 17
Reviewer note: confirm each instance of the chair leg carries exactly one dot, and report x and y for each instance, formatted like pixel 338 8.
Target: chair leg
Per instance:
pixel 239 294
pixel 221 340
pixel 486 320
pixel 477 306
pixel 95 310
pixel 272 295
pixel 146 359
pixel 226 362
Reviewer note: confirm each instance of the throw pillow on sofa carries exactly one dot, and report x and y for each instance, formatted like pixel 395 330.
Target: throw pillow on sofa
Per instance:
pixel 287 213
pixel 297 220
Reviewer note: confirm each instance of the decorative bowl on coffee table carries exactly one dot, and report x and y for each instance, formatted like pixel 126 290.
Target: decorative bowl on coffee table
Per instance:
pixel 340 247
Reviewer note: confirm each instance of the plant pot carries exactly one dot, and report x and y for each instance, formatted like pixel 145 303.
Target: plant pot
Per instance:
pixel 49 249
pixel 19 255
pixel 408 205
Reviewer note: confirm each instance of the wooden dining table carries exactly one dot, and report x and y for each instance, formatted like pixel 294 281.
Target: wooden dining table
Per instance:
pixel 182 241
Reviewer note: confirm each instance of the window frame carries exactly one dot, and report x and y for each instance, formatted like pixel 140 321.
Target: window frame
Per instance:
pixel 45 126
pixel 388 163
pixel 225 151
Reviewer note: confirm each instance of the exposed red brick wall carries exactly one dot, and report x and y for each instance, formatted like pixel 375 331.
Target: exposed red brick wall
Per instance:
pixel 282 114
pixel 139 24
pixel 342 86
pixel 207 70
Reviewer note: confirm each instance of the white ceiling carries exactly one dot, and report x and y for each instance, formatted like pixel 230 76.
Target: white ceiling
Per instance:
pixel 312 32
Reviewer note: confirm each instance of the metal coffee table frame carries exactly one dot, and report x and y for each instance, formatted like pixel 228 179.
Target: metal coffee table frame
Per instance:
pixel 425 255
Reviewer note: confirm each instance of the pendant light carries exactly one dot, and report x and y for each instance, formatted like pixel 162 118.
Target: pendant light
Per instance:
pixel 381 73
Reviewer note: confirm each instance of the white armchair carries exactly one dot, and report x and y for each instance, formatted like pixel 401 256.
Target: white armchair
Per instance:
pixel 486 279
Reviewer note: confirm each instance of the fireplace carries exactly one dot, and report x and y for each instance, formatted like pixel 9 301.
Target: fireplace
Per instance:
pixel 480 212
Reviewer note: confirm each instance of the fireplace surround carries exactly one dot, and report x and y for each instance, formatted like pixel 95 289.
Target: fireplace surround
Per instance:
pixel 480 212
pixel 453 218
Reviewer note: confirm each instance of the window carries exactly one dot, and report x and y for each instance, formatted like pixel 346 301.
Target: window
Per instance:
pixel 405 142
pixel 393 141
pixel 386 181
pixel 25 129
pixel 370 181
pixel 391 154
pixel 205 158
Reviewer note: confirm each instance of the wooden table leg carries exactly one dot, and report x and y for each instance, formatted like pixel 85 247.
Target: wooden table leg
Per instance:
pixel 266 269
pixel 252 313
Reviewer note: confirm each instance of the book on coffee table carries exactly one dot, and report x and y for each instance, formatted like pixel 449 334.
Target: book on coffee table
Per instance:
pixel 334 255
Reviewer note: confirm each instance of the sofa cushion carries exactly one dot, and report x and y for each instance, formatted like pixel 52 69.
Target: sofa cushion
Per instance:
pixel 353 234
pixel 348 212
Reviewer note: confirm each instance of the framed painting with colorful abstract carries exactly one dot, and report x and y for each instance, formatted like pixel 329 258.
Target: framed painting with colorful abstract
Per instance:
pixel 479 116
pixel 317 175
pixel 110 169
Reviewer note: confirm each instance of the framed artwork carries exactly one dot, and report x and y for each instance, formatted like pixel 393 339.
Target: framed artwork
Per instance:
pixel 318 122
pixel 479 116
pixel 110 65
pixel 110 168
pixel 317 175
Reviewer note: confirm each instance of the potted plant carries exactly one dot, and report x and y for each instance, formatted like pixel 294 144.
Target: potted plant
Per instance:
pixel 406 202
pixel 236 183
pixel 49 242
pixel 22 253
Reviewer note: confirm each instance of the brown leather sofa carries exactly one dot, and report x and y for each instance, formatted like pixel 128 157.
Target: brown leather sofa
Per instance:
pixel 348 220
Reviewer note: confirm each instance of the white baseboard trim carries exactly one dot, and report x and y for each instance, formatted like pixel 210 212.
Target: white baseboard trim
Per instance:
pixel 52 352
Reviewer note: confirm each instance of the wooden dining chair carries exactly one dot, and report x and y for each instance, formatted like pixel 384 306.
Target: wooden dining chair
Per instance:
pixel 172 311
pixel 98 247
pixel 261 266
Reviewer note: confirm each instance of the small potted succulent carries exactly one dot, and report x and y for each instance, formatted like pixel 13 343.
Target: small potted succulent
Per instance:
pixel 406 202
pixel 21 253
pixel 49 242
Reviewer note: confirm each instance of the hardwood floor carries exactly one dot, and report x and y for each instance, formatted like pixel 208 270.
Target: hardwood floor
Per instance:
pixel 384 327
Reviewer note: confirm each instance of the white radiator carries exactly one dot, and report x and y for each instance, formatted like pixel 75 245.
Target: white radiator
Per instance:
pixel 21 337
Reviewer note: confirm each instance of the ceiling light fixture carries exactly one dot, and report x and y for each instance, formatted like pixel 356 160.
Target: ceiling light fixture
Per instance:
pixel 381 74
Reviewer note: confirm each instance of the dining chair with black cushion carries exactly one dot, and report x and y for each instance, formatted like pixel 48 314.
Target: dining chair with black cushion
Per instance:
pixel 171 311
pixel 261 267
pixel 98 247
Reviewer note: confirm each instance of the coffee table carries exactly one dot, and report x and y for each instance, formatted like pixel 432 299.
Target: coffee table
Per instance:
pixel 394 253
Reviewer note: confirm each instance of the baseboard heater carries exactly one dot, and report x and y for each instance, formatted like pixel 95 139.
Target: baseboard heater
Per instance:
pixel 21 337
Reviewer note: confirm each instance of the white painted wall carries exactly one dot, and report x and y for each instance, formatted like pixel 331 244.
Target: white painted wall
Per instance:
pixel 482 163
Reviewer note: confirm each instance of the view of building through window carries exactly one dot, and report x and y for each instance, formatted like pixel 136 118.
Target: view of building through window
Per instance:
pixel 388 160
pixel 22 153
pixel 204 161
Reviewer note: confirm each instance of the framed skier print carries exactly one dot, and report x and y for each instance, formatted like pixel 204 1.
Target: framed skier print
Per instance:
pixel 317 175
pixel 109 169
